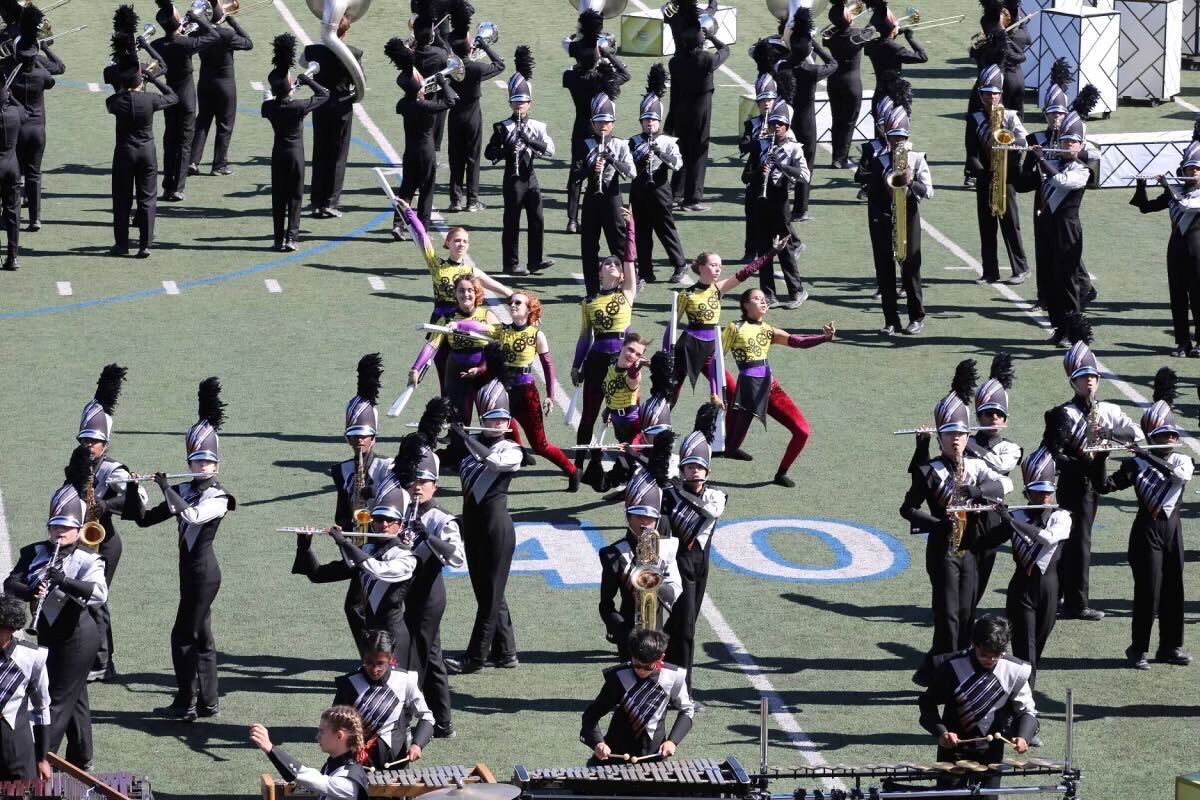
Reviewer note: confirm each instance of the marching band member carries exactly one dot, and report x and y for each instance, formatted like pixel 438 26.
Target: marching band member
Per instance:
pixel 431 54
pixel 845 84
pixel 26 711
pixel 638 695
pixel 951 478
pixel 216 89
pixel 177 49
pixel 878 175
pixel 606 161
pixel 888 56
pixel 332 124
pixel 65 581
pixel 619 560
pixel 13 116
pixel 897 94
pixel 379 569
pixel 287 153
pixel 39 65
pixel 198 505
pixel 420 115
pixel 488 535
pixel 693 353
pixel 111 476
pixel 692 509
pixel 991 50
pixel 465 122
pixel 517 140
pixel 689 115
pixel 1036 536
pixel 1183 248
pixel 387 699
pixel 650 191
pixel 982 692
pixel 1018 40
pixel 991 85
pixel 777 166
pixel 655 410
pixel 1155 553
pixel 1083 422
pixel 341 737
pixel 135 159
pixel 804 118
pixel 606 316
pixel 437 542
pixel 755 128
pixel 1002 455
pixel 596 69
pixel 757 393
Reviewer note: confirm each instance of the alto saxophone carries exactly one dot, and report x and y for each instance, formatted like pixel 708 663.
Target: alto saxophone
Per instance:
pixel 899 200
pixel 958 519
pixel 362 515
pixel 1003 137
pixel 92 533
pixel 646 578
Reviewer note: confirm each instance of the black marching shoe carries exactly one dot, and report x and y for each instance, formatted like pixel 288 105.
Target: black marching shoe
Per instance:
pixel 173 711
pixel 677 275
pixel 143 252
pixel 1136 660
pixel 518 270
pixel 573 482
pixel 475 206
pixel 118 250
pixel 10 264
pixel 208 711
pixel 507 662
pixel 400 233
pixel 572 226
pixel 1176 657
pixel 527 459
pixel 454 208
pixel 34 225
pixel 332 211
pixel 887 330
pixel 914 327
pixel 545 263
pixel 289 245
pixel 222 171
pixel 446 731
pixel 193 169
pixel 781 479
pixel 463 666
pixel 173 197
pixel 736 454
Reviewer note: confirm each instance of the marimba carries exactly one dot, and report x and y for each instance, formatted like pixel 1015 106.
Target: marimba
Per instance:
pixel 891 776
pixel 393 782
pixel 69 782
pixel 691 778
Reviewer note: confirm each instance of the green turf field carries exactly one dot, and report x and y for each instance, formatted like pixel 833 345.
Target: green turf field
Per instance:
pixel 834 655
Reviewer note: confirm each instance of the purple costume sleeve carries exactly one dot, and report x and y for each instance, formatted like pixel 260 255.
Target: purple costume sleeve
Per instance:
pixel 424 357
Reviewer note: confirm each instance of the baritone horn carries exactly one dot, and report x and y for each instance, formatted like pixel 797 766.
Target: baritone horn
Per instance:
pixel 455 70
pixel 998 189
pixel 488 33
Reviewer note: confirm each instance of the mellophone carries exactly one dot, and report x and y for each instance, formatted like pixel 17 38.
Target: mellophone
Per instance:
pixel 393 782
pixel 71 783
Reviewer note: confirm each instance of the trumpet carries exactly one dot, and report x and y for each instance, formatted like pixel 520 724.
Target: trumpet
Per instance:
pixel 970 508
pixel 489 34
pixel 171 477
pixel 912 15
pixel 932 429
pixel 855 8
pixel 606 41
pixel 309 72
pixel 309 531
pixel 455 70
pixel 978 39
pixel 9 48
pixel 157 67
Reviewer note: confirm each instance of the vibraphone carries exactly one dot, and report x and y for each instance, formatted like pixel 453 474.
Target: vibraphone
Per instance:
pixel 692 778
pixel 393 782
pixel 115 785
pixel 892 777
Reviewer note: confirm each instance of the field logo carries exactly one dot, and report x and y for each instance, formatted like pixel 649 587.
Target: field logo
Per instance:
pixel 565 553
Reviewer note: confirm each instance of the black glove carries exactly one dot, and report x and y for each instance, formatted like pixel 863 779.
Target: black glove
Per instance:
pixel 55 576
pixel 368 490
pixel 973 492
pixel 339 536
pixel 303 78
pixel 457 428
pixel 161 479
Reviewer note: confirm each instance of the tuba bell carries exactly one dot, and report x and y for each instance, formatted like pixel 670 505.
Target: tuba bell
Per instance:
pixel 488 33
pixel 330 12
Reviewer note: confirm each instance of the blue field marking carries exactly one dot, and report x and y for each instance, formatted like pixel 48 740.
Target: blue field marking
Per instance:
pixel 225 276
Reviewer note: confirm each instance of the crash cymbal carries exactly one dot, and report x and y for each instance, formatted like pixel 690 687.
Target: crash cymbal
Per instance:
pixel 475 791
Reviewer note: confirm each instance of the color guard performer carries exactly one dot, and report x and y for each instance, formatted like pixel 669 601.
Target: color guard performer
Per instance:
pixel 1083 423
pixel 844 86
pixel 757 393
pixel 12 117
pixel 952 478
pixel 341 737
pixel 650 192
pixel 897 176
pixel 135 158
pixel 638 695
pixel 982 692
pixel 332 124
pixel 39 65
pixel 465 122
pixel 25 713
pixel 622 386
pixel 1183 247
pixel 991 86
pixel 198 505
pixel 1002 455
pixel 388 699
pixel 620 560
pixel 606 161
pixel 177 49
pixel 488 535
pixel 807 74
pixel 216 90
pixel 1159 478
pixel 287 153
pixel 111 476
pixel 518 140
pixel 65 581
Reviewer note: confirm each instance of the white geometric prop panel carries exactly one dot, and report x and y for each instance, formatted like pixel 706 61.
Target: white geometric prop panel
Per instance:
pixel 1151 39
pixel 1089 40
pixel 1123 155
pixel 1191 27
pixel 864 127
pixel 1032 67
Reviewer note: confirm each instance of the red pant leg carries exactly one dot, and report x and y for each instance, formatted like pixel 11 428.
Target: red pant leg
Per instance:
pixel 528 411
pixel 784 411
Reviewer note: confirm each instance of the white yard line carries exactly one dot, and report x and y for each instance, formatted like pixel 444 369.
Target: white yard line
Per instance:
pixel 5 544
pixel 256 85
pixel 64 288
pixel 272 286
pixel 377 284
pixel 170 287
pixel 93 87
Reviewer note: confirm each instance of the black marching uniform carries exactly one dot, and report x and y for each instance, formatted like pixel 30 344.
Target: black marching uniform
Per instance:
pixel 340 777
pixel 979 160
pixel 429 59
pixel 332 123
pixel 216 89
pixel 769 208
pixel 465 124
pixel 287 152
pixel 690 111
pixel 13 116
pixel 25 710
pixel 177 50
pixel 387 707
pixel 420 156
pixel 639 710
pixel 804 113
pixel 888 58
pixel 38 68
pixel 844 86
pixel 655 157
pixel 603 200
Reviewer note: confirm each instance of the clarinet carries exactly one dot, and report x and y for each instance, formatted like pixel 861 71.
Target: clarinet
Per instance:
pixel 37 614
pixel 517 129
pixel 601 152
pixel 770 164
pixel 649 142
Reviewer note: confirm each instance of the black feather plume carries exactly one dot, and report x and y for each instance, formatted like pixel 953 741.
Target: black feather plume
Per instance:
pixel 1088 97
pixel 460 12
pixel 122 45
pixel 424 10
pixel 283 51
pixel 125 20
pixel 370 370
pixel 31 18
pixel 900 92
pixel 165 5
pixel 108 388
pixel 785 84
pixel 1166 385
pixel 802 24
pixel 591 23
pixel 523 58
pixel 610 83
pixel 494 360
pixel 211 409
pixel 1057 429
pixel 1077 328
pixel 408 459
pixel 434 419
pixel 1002 369
pixel 876 5
pixel 79 469
pixel 1061 73
pixel 965 379
pixel 656 80
pixel 659 463
pixel 662 383
pixel 398 53
pixel 706 421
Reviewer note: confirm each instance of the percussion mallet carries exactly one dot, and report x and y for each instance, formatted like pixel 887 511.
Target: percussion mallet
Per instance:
pixel 989 738
pixel 396 763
